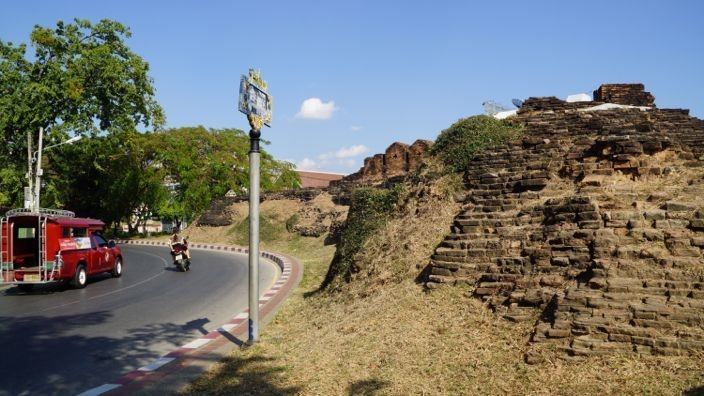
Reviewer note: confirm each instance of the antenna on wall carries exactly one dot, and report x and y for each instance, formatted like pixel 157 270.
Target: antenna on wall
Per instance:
pixel 491 107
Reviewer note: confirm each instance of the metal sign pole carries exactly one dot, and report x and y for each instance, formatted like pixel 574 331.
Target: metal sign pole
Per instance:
pixel 253 236
pixel 255 102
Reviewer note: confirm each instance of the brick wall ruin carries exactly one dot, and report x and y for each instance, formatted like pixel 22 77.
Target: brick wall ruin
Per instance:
pixel 625 94
pixel 594 217
pixel 399 159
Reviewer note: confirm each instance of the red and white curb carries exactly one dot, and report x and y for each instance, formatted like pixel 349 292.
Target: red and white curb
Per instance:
pixel 284 282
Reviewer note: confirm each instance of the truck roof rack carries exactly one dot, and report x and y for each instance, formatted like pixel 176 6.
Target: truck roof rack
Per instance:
pixel 42 211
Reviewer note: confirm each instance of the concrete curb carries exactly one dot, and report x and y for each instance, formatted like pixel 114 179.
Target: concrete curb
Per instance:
pixel 151 374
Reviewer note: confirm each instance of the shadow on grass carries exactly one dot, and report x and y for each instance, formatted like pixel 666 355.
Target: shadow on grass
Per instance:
pixel 367 387
pixel 698 391
pixel 239 375
pixel 313 293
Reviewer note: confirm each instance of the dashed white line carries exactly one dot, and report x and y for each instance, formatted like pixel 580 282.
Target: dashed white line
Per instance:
pixel 99 390
pixel 153 366
pixel 195 344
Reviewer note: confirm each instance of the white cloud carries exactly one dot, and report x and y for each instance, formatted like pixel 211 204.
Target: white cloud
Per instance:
pixel 349 163
pixel 307 164
pixel 355 128
pixel 316 109
pixel 352 151
pixel 344 157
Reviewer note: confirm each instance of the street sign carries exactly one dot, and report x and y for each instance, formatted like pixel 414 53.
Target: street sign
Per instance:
pixel 255 101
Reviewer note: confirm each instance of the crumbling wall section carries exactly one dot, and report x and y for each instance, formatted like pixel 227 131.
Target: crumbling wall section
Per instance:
pixel 571 220
pixel 626 94
pixel 398 160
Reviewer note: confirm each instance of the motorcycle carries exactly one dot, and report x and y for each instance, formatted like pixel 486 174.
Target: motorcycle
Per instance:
pixel 181 261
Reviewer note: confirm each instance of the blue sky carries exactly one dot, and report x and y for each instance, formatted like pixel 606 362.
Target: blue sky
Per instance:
pixel 386 71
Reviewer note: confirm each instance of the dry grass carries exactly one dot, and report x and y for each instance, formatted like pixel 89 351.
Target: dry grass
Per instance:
pixel 402 247
pixel 401 340
pixel 678 183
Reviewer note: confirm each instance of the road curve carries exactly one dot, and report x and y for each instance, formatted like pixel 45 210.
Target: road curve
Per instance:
pixel 58 340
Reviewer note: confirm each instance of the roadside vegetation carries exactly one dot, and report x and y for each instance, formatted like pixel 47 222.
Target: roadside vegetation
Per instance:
pixel 457 145
pixel 382 333
pixel 360 323
pixel 81 78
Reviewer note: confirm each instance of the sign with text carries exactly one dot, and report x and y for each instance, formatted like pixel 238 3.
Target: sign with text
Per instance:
pixel 255 101
pixel 74 243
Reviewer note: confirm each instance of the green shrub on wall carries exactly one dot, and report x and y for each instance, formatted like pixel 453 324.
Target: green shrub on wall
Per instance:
pixel 369 209
pixel 457 145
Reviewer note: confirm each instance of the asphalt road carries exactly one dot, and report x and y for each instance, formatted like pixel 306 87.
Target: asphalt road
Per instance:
pixel 58 340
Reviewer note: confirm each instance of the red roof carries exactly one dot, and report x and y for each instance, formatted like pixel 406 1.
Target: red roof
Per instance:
pixel 76 221
pixel 317 179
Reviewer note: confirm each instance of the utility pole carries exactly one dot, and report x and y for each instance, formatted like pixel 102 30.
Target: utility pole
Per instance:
pixel 34 193
pixel 37 183
pixel 29 191
pixel 255 102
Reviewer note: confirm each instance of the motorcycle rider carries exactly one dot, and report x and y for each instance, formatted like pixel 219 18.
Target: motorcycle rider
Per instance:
pixel 176 238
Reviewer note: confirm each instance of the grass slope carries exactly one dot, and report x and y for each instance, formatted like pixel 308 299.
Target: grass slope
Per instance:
pixel 383 334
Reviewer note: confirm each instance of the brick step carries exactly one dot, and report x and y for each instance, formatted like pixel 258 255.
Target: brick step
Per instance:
pixel 472 236
pixel 493 200
pixel 479 224
pixel 472 215
pixel 518 313
pixel 451 251
pixel 478 243
pixel 521 232
pixel 452 265
pixel 492 253
pixel 488 288
pixel 498 277
pixel 512 260
pixel 448 258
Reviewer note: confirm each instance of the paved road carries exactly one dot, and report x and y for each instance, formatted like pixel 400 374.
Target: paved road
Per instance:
pixel 58 340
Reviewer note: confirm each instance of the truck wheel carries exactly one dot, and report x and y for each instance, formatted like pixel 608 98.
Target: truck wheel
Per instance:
pixel 80 278
pixel 117 270
pixel 26 287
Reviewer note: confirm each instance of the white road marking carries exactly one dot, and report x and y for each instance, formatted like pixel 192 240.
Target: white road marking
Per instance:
pixel 99 390
pixel 227 327
pixel 153 366
pixel 104 294
pixel 197 343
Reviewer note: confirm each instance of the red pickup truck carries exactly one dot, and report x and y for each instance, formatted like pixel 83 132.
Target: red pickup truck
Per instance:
pixel 54 246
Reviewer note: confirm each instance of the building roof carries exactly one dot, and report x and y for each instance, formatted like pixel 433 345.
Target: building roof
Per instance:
pixel 317 179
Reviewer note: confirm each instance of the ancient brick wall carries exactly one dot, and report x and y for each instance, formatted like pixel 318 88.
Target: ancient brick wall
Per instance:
pixel 399 159
pixel 626 94
pixel 417 153
pixel 218 214
pixel 571 220
pixel 396 160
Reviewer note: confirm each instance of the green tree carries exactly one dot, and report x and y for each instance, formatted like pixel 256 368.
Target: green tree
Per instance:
pixel 115 178
pixel 81 78
pixel 206 163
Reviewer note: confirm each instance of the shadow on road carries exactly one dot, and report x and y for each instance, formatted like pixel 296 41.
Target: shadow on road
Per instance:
pixel 48 355
pixel 198 324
